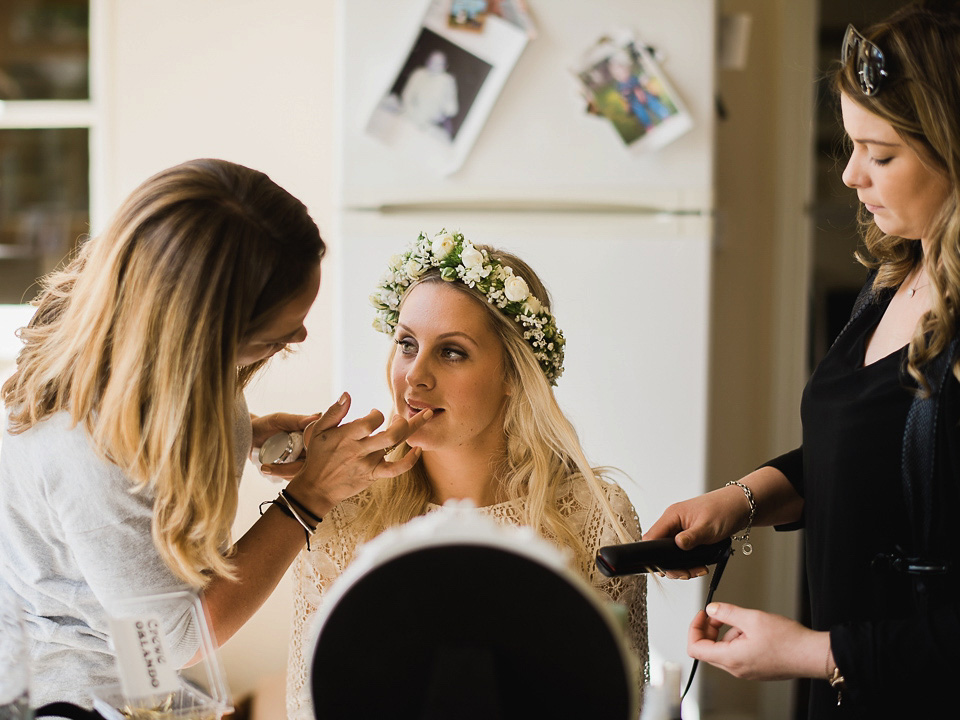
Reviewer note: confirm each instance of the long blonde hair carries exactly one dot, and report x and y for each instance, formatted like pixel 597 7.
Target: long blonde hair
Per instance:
pixel 920 98
pixel 543 451
pixel 137 338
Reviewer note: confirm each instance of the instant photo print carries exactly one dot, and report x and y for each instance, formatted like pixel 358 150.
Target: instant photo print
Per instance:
pixel 623 83
pixel 440 95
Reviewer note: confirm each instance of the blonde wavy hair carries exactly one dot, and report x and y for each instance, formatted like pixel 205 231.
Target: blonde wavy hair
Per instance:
pixel 920 98
pixel 137 338
pixel 543 452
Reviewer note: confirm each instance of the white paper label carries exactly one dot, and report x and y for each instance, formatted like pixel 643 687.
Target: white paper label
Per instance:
pixel 142 657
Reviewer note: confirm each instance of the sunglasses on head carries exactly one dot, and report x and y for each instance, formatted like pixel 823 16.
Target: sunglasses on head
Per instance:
pixel 868 60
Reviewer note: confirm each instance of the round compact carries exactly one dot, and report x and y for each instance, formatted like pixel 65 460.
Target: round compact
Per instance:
pixel 284 447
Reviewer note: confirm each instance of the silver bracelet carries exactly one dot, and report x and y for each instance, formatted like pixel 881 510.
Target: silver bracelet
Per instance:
pixel 307 529
pixel 744 537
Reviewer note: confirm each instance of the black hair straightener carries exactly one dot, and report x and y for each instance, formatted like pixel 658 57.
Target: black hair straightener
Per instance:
pixel 657 556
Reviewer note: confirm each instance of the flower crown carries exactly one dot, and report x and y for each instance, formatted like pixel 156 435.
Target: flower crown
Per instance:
pixel 458 259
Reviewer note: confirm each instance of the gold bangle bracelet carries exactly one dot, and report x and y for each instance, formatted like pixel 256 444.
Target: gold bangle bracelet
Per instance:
pixel 835 679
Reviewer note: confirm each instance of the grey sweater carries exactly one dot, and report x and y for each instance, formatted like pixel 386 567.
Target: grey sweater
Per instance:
pixel 74 540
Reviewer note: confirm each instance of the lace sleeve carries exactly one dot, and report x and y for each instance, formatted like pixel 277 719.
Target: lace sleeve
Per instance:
pixel 629 592
pixel 333 547
pixel 303 609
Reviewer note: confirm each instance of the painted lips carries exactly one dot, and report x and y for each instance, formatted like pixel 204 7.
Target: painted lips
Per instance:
pixel 415 408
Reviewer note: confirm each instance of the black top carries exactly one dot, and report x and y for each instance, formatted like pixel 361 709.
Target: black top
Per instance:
pixel 849 473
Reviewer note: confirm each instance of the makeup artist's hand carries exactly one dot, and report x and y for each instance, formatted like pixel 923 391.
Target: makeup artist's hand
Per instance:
pixel 342 460
pixel 267 426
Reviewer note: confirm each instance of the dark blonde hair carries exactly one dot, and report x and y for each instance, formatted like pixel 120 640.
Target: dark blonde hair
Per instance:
pixel 543 451
pixel 138 337
pixel 920 98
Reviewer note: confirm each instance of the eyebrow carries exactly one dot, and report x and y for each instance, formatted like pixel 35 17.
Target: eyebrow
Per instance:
pixel 868 141
pixel 464 335
pixel 442 336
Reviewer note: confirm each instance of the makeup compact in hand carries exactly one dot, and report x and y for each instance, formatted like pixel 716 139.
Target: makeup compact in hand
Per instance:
pixel 284 447
pixel 657 556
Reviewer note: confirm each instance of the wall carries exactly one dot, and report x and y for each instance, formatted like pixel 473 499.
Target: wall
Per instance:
pixel 251 82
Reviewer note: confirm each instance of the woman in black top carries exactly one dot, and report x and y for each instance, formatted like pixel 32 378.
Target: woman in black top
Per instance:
pixel 875 483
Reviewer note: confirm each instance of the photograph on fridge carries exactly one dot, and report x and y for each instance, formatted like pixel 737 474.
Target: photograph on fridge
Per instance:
pixel 468 14
pixel 514 12
pixel 471 14
pixel 435 87
pixel 624 84
pixel 442 90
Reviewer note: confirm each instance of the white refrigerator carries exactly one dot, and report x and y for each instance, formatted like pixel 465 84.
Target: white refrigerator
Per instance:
pixel 621 236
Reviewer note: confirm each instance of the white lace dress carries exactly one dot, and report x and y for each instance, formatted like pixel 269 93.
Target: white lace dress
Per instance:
pixel 336 540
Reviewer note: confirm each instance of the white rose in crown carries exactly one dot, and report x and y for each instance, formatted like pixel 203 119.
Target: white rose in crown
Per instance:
pixel 413 268
pixel 471 257
pixel 443 243
pixel 533 306
pixel 515 288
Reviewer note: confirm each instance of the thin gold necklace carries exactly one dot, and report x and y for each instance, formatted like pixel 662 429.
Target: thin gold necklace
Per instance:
pixel 916 285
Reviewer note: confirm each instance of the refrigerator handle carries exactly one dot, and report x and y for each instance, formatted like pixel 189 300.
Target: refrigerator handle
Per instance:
pixel 530 206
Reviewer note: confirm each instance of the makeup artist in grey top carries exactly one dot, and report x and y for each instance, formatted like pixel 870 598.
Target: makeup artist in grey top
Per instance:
pixel 123 441
pixel 76 540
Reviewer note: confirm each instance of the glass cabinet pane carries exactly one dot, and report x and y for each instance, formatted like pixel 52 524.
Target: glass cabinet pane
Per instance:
pixel 44 49
pixel 44 203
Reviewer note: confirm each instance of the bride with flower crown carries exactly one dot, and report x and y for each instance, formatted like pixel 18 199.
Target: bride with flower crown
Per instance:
pixel 475 344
